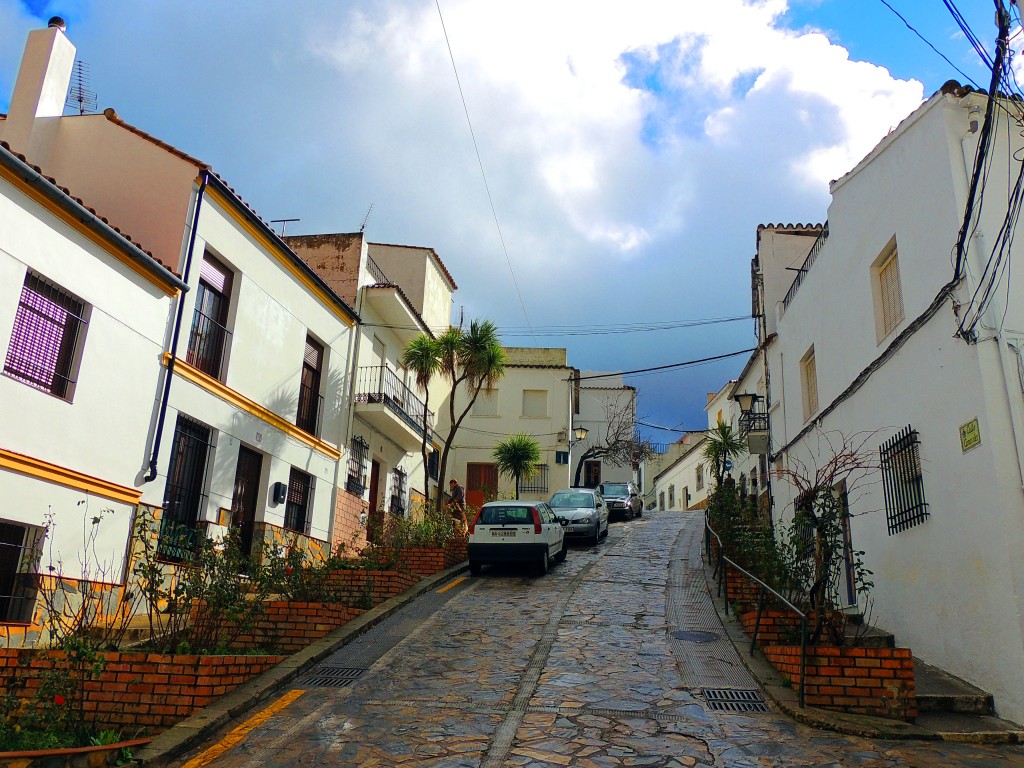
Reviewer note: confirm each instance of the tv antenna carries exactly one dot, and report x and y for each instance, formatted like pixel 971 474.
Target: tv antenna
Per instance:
pixel 80 96
pixel 366 218
pixel 283 222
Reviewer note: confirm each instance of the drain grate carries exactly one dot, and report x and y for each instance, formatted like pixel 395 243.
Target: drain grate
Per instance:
pixel 733 700
pixel 331 677
pixel 695 636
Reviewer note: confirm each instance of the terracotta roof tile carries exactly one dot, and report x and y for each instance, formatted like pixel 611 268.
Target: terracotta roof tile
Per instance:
pixel 67 193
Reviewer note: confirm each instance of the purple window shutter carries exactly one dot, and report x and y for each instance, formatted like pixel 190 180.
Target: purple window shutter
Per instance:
pixel 216 275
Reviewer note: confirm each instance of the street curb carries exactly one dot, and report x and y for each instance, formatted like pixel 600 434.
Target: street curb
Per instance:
pixel 178 739
pixel 785 699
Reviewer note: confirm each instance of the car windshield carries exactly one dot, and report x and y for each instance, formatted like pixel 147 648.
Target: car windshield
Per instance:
pixel 506 515
pixel 615 489
pixel 564 499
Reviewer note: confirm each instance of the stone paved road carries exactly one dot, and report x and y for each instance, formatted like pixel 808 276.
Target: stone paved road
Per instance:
pixel 573 669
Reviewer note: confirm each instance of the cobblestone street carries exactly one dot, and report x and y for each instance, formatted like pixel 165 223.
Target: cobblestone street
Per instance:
pixel 578 668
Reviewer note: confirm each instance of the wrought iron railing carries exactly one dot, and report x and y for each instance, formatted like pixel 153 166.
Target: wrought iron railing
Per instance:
pixel 721 573
pixel 376 272
pixel 379 384
pixel 206 344
pixel 179 541
pixel 812 255
pixel 310 414
pixel 753 421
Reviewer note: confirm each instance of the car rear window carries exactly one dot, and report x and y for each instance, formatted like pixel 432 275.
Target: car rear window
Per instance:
pixel 567 499
pixel 615 489
pixel 506 516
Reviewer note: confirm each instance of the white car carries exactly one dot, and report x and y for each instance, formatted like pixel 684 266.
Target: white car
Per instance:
pixel 584 512
pixel 515 532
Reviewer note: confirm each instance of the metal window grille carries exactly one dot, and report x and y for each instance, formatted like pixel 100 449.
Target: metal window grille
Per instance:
pixel 903 481
pixel 208 337
pixel 537 483
pixel 661 501
pixel 357 466
pixel 699 475
pixel 300 498
pixel 47 325
pixel 671 496
pixel 310 410
pixel 434 464
pixel 399 487
pixel 19 559
pixel 184 494
pixel 892 296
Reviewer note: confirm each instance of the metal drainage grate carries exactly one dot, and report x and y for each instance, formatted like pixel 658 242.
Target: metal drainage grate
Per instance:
pixel 732 700
pixel 331 677
pixel 695 636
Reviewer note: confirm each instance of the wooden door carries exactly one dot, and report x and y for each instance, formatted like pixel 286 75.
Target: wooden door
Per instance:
pixel 481 483
pixel 376 517
pixel 246 491
pixel 591 474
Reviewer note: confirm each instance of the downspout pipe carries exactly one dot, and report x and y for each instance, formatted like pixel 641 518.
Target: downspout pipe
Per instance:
pixel 151 475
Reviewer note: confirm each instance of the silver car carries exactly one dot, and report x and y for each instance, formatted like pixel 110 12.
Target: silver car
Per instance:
pixel 582 512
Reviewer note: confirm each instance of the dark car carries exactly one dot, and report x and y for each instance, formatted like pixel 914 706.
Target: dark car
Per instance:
pixel 622 499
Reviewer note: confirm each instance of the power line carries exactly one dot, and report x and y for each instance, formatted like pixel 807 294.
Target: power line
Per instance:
pixel 590 330
pixel 928 43
pixel 664 367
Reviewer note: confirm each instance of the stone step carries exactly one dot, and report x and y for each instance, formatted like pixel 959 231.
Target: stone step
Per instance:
pixel 866 636
pixel 939 691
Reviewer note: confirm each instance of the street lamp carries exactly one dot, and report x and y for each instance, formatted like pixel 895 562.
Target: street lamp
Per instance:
pixel 746 401
pixel 580 433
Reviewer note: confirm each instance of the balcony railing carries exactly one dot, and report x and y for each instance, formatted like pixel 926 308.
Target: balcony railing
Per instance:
pixel 806 266
pixel 311 410
pixel 179 542
pixel 376 272
pixel 753 421
pixel 206 344
pixel 378 384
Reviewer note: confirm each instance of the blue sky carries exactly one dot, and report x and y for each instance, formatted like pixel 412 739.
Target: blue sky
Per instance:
pixel 630 152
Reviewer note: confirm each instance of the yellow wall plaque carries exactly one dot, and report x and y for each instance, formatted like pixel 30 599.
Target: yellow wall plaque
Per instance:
pixel 970 435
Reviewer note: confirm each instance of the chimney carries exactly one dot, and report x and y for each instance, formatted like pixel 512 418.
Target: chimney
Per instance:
pixel 42 85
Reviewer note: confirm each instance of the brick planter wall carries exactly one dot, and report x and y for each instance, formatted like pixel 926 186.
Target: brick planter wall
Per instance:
pixel 426 561
pixel 741 590
pixel 366 589
pixel 289 627
pixel 138 690
pixel 863 681
pixel 777 627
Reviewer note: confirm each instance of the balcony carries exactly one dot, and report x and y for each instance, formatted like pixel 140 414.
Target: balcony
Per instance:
pixel 310 415
pixel 390 407
pixel 207 341
pixel 812 256
pixel 754 427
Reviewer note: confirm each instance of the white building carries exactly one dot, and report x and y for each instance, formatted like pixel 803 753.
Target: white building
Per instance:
pixel 876 344
pixel 535 397
pixel 251 411
pixel 84 317
pixel 607 408
pixel 399 293
pixel 683 482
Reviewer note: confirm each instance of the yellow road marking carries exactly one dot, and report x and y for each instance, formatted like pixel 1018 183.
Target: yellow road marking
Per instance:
pixel 446 587
pixel 239 733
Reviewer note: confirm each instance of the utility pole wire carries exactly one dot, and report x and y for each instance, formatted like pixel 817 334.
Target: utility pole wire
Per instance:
pixel 663 367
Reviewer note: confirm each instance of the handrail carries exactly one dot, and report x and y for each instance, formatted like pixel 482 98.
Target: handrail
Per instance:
pixel 721 572
pixel 801 273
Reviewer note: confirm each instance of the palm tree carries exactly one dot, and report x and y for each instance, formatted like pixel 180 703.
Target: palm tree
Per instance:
pixel 422 356
pixel 473 358
pixel 722 444
pixel 517 457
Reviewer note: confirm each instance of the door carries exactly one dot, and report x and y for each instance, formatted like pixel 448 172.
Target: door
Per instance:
pixel 12 539
pixel 376 521
pixel 481 483
pixel 243 499
pixel 591 474
pixel 849 577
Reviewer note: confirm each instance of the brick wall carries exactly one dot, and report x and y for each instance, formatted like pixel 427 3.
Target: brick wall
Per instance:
pixel 366 589
pixel 348 534
pixel 777 627
pixel 742 590
pixel 287 627
pixel 864 681
pixel 426 561
pixel 138 690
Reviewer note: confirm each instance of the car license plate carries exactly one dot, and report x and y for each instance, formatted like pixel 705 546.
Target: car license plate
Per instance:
pixel 511 532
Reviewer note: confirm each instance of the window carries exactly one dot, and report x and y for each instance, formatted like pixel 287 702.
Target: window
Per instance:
pixel 809 380
pixel 902 481
pixel 19 553
pixel 699 477
pixel 184 494
pixel 486 404
pixel 297 515
pixel 671 496
pixel 399 484
pixel 433 464
pixel 310 400
pixel 47 327
pixel 538 483
pixel 561 457
pixel 684 500
pixel 661 501
pixel 887 291
pixel 535 403
pixel 357 466
pixel 209 335
pixel 591 474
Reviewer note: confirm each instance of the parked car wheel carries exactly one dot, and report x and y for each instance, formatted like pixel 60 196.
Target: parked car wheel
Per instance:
pixel 542 566
pixel 475 568
pixel 560 557
pixel 597 533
